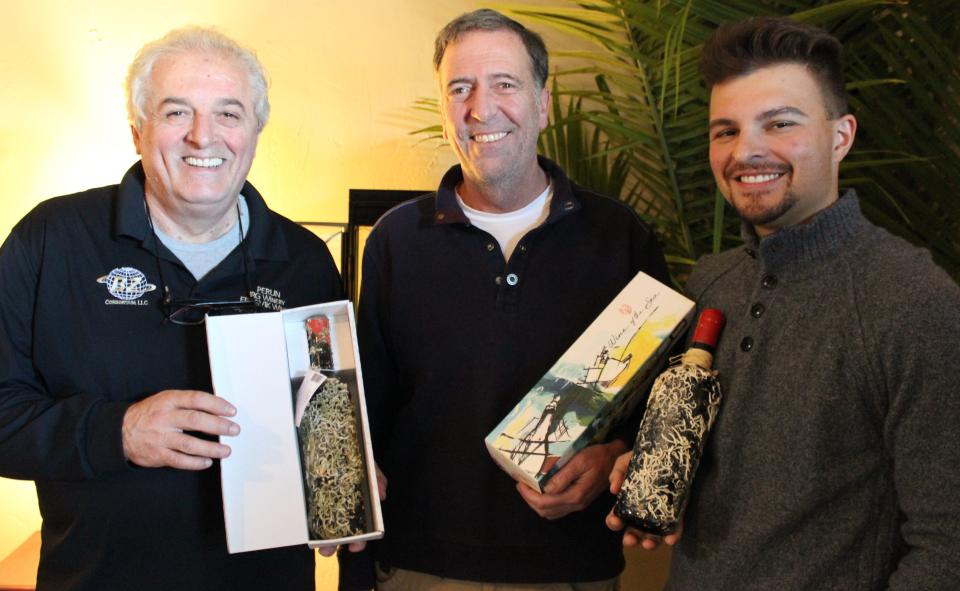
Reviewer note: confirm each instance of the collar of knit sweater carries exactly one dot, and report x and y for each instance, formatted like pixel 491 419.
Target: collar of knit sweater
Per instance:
pixel 829 231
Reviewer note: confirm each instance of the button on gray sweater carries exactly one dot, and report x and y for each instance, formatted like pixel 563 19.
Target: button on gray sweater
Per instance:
pixel 835 460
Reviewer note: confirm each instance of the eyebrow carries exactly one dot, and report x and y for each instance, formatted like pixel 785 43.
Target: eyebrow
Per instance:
pixel 768 114
pixel 495 76
pixel 176 100
pixel 500 76
pixel 721 123
pixel 461 80
pixel 785 110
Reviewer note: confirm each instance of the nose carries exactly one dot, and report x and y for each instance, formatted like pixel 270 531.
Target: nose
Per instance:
pixel 201 132
pixel 750 145
pixel 483 105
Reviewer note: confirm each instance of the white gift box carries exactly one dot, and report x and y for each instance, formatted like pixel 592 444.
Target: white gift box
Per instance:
pixel 597 382
pixel 255 359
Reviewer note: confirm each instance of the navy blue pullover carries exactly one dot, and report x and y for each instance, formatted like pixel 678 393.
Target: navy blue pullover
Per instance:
pixel 451 337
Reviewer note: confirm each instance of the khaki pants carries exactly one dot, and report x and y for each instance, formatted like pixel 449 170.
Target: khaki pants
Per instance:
pixel 398 579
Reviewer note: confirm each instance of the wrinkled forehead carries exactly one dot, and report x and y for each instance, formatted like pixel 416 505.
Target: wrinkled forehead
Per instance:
pixel 200 71
pixel 484 52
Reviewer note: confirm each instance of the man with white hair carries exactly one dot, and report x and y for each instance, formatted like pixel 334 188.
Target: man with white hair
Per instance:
pixel 104 379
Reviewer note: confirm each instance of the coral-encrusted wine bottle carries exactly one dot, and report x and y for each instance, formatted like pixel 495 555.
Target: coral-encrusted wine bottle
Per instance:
pixel 680 412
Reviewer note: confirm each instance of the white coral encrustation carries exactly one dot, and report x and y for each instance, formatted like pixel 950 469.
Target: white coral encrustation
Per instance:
pixel 333 466
pixel 669 443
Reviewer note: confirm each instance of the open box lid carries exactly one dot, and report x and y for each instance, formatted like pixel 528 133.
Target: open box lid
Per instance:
pixel 253 360
pixel 263 501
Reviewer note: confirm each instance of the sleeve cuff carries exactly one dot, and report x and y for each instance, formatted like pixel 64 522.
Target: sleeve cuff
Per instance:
pixel 103 439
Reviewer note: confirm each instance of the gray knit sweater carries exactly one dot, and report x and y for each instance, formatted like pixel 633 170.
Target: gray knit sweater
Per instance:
pixel 835 461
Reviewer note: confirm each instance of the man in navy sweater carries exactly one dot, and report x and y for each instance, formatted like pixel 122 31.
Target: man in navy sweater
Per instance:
pixel 469 295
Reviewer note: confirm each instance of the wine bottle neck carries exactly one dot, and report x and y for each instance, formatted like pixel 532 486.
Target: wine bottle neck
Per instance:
pixel 699 357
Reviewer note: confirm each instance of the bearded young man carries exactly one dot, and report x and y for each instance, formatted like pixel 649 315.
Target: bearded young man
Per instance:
pixel 832 461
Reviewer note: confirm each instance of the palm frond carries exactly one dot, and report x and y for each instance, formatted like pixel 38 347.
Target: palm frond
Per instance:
pixel 904 83
pixel 630 118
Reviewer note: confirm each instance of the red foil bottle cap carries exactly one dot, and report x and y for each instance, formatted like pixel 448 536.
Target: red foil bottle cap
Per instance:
pixel 708 327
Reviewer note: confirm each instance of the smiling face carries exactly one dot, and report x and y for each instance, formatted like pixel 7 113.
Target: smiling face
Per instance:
pixel 199 133
pixel 774 152
pixel 493 112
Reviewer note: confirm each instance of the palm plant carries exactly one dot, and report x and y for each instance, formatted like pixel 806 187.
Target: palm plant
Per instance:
pixel 637 129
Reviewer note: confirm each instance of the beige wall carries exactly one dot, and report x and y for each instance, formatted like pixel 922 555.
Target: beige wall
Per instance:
pixel 343 75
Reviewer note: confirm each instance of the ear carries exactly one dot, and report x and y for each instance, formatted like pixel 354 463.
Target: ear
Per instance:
pixel 844 130
pixel 136 139
pixel 544 104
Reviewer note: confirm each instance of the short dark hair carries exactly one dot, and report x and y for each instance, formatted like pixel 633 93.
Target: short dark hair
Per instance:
pixel 486 19
pixel 742 47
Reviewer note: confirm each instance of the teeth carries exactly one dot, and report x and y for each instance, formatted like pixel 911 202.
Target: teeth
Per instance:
pixel 759 178
pixel 484 138
pixel 203 162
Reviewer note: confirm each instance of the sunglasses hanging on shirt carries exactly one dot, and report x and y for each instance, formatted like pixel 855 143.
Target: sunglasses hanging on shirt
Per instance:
pixel 193 311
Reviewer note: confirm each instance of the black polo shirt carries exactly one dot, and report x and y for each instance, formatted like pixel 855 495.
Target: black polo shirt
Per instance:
pixel 82 336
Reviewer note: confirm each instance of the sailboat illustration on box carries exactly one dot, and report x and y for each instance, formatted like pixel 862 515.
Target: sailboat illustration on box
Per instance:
pixel 593 384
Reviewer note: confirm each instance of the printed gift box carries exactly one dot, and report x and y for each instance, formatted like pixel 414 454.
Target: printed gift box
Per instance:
pixel 301 470
pixel 599 380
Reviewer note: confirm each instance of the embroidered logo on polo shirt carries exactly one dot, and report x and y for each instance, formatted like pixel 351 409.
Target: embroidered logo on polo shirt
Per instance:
pixel 268 299
pixel 127 285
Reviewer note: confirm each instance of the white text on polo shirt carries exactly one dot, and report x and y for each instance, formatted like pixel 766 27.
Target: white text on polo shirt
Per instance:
pixel 268 298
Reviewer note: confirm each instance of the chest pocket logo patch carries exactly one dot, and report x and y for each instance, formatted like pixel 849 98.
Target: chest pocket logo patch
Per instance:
pixel 126 283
